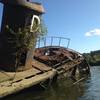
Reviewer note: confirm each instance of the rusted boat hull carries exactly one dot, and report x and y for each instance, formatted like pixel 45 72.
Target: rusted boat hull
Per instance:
pixel 65 61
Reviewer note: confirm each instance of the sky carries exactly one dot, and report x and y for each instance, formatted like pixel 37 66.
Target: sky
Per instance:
pixel 78 20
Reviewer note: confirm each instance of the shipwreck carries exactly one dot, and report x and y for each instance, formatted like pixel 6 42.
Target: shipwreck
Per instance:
pixel 64 60
pixel 41 63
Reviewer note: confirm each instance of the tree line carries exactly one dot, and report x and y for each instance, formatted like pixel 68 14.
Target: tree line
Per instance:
pixel 93 57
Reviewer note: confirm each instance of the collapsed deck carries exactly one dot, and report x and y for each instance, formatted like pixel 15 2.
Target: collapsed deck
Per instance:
pixel 11 83
pixel 62 59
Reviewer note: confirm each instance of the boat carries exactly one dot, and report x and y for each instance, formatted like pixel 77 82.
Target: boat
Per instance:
pixel 65 61
pixel 43 63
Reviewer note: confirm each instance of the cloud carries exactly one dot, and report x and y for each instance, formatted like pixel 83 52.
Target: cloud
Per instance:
pixel 95 32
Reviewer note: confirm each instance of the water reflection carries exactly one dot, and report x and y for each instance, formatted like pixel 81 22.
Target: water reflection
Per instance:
pixel 92 85
pixel 89 89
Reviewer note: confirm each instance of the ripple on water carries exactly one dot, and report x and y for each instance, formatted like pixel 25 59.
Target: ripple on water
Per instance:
pixel 92 85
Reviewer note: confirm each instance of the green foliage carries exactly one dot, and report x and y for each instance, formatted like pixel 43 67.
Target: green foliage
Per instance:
pixel 24 39
pixel 93 57
pixel 42 30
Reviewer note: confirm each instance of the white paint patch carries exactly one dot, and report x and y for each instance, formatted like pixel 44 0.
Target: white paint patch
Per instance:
pixel 35 17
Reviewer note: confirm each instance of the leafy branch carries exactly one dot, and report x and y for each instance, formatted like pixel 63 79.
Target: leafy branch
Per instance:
pixel 24 40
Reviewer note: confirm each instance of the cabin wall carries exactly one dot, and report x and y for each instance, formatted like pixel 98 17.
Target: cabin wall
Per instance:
pixel 15 17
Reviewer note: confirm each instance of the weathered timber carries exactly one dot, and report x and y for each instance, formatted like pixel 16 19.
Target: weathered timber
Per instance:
pixel 23 80
pixel 41 66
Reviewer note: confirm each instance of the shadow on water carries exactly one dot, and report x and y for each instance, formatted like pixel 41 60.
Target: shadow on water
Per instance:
pixel 89 89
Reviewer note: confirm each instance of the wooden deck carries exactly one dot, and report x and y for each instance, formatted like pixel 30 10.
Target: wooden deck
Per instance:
pixel 40 66
pixel 13 82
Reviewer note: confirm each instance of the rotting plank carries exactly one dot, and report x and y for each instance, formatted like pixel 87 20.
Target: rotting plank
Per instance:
pixel 25 74
pixel 41 66
pixel 69 65
pixel 4 76
pixel 15 76
pixel 25 83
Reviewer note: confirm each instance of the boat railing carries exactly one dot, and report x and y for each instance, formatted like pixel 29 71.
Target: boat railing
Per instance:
pixel 52 41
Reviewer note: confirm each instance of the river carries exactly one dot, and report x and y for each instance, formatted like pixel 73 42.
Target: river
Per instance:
pixel 89 89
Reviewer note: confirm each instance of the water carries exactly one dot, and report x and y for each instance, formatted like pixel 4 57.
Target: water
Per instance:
pixel 89 89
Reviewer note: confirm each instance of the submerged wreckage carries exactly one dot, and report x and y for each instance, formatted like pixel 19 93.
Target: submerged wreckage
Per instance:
pixel 46 62
pixel 65 61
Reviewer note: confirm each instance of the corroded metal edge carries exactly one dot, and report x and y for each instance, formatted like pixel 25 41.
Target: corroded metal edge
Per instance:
pixel 30 5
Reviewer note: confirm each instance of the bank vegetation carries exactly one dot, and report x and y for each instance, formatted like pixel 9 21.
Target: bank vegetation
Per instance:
pixel 93 58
